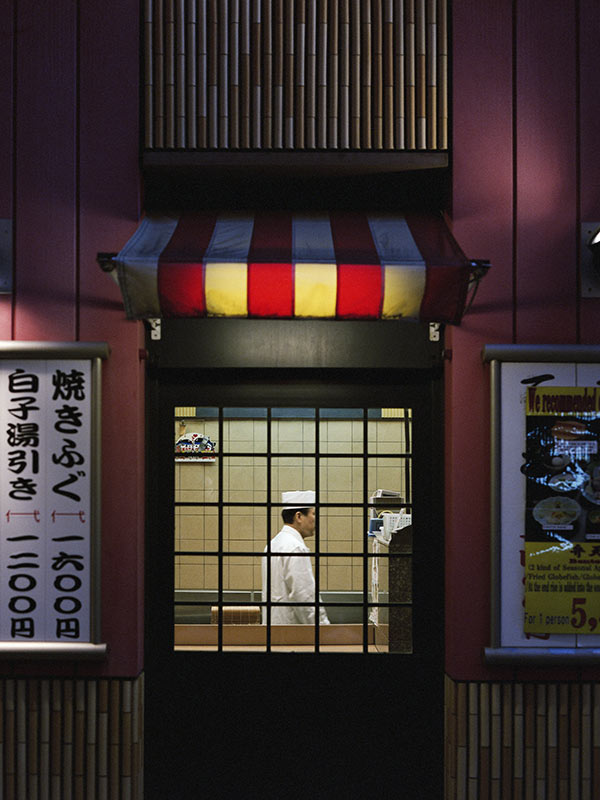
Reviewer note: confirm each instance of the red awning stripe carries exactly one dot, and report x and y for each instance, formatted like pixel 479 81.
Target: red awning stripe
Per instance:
pixel 360 278
pixel 270 269
pixel 347 265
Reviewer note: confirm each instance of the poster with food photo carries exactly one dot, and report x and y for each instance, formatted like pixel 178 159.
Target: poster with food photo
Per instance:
pixel 562 515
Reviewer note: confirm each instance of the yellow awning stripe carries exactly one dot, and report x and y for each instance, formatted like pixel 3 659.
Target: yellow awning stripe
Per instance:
pixel 226 289
pixel 315 290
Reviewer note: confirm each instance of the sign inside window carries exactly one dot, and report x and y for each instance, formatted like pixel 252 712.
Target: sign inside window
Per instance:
pixel 45 479
pixel 562 516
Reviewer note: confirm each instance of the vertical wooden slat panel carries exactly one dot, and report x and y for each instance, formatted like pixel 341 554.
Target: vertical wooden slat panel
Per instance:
pixel 45 775
pixel 103 740
pixel 377 74
pixel 333 71
pixel 450 738
pixel 202 89
pixel 518 743
pixel 541 741
pixel 267 46
pixel 410 73
pixel 586 741
pixel 322 21
pixel 278 71
pixel 212 46
pixel 245 92
pixel 91 738
pixel 311 74
pixel 191 71
pixel 288 78
pixel 366 71
pixel 158 75
pixel 507 741
pixel 399 76
pixel 355 75
pixel 170 70
pixel 484 754
pixel 79 748
pixel 114 737
pixel 496 742
pixel 462 740
pixel 180 74
pixel 388 75
pixel 33 737
pixel 552 753
pixel 53 742
pixel 529 714
pixel 344 74
pixel 149 111
pixel 443 87
pixel 574 740
pixel 563 741
pixel 431 49
pixel 222 62
pixel 68 726
pixel 256 69
pixel 299 74
pixel 473 742
pixel 421 76
pixel 234 75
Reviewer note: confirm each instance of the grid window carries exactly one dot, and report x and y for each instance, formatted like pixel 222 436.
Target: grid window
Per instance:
pixel 232 590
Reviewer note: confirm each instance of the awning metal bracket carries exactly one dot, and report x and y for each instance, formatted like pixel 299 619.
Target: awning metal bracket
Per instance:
pixel 155 328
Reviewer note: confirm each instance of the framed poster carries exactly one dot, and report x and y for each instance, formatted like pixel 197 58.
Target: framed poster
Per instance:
pixel 50 498
pixel 545 511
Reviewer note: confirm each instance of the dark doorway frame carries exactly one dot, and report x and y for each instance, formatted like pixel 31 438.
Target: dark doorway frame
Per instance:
pixel 261 724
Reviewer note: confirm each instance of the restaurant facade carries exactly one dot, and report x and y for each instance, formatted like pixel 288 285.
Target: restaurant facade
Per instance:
pixel 378 288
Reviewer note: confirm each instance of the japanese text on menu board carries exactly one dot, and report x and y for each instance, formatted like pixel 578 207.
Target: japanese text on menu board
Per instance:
pixel 45 434
pixel 562 515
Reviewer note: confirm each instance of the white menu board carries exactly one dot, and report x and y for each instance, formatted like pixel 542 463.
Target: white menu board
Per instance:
pixel 46 475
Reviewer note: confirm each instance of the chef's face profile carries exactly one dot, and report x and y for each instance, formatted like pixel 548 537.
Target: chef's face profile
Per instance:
pixel 305 523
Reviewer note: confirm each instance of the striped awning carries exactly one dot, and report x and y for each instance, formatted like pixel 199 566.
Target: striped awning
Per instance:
pixel 344 265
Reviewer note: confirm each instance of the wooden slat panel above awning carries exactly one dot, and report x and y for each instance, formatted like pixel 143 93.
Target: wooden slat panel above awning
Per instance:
pixel 341 265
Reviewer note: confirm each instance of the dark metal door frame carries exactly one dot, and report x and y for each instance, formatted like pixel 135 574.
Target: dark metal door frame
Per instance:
pixel 237 721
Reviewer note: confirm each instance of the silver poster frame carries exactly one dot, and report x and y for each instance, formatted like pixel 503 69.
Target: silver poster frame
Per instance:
pixel 496 654
pixel 95 352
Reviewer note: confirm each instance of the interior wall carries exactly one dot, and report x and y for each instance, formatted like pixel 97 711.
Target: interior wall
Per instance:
pixel 525 174
pixel 70 188
pixel 245 481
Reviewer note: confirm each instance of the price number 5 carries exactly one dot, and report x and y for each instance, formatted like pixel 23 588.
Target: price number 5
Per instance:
pixel 579 618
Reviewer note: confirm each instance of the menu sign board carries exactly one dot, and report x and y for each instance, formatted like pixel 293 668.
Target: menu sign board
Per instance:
pixel 562 514
pixel 45 497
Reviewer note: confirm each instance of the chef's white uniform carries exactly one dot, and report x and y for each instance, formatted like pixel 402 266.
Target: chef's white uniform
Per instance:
pixel 292 580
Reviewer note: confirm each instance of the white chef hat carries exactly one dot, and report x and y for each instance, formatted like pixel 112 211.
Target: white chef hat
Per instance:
pixel 298 499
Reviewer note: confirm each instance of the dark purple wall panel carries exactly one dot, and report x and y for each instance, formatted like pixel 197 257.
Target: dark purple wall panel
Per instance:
pixel 546 172
pixel 589 127
pixel 482 213
pixel 108 213
pixel 46 170
pixel 6 140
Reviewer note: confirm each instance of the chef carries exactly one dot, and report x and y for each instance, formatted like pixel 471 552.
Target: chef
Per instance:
pixel 292 578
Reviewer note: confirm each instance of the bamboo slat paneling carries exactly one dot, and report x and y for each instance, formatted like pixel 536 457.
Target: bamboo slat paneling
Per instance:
pixel 296 75
pixel 523 741
pixel 69 739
